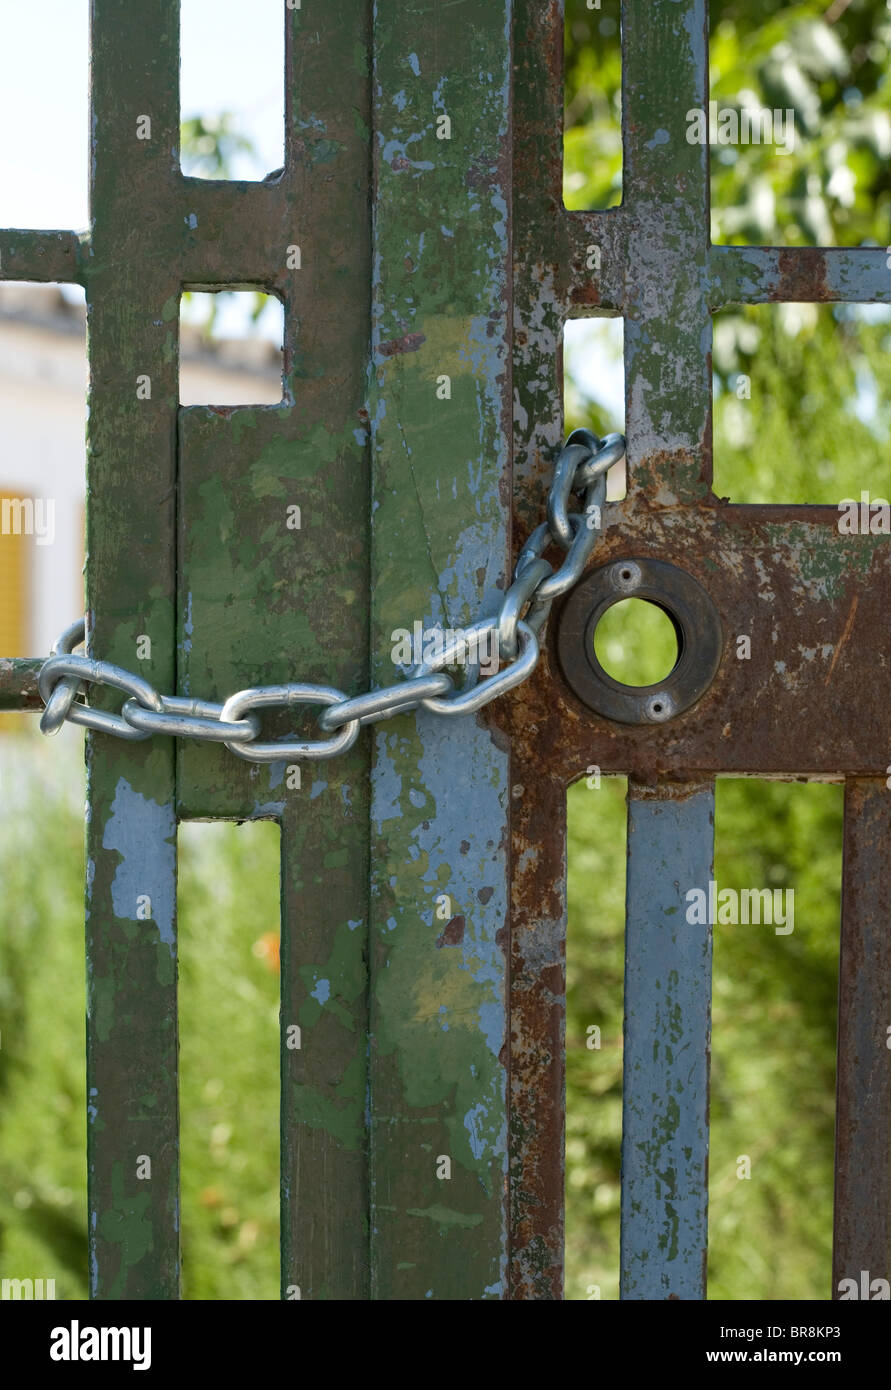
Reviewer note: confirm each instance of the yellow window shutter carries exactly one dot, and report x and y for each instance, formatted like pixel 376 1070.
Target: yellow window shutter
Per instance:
pixel 13 584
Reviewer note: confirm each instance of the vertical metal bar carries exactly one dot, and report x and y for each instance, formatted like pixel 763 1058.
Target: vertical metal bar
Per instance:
pixel 538 1028
pixel 668 426
pixel 261 602
pixel 131 835
pixel 440 410
pixel 668 964
pixel 325 851
pixel 668 330
pixel 544 258
pixel 862 1248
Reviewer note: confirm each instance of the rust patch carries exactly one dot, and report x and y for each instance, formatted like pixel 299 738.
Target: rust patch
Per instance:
pixel 587 293
pixel 802 275
pixel 396 346
pixel 452 933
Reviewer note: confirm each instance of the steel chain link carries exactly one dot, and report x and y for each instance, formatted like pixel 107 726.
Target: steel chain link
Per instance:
pixel 580 471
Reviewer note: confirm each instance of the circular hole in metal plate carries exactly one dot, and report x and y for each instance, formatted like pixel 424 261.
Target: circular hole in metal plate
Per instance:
pixel 636 642
pixel 692 614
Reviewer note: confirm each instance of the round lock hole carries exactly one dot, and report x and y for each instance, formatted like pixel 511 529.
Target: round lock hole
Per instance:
pixel 639 640
pixel 636 643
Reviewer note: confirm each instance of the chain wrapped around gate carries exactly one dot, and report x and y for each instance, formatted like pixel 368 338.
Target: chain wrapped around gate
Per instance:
pixel 580 471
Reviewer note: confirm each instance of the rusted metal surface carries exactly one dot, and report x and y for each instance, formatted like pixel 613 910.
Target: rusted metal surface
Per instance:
pixel 44 256
pixel 863 1116
pixel 810 599
pixel 764 274
pixel 538 839
pixel 537 1022
pixel 18 684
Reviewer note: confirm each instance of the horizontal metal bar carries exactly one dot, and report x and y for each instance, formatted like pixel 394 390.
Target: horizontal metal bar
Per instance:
pixel 18 684
pixel 221 245
pixel 800 274
pixel 789 581
pixel 593 259
pixel 45 257
pixel 737 274
pixel 668 965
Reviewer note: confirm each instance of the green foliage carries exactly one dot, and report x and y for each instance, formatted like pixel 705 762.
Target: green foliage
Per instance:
pixel 43 1226
pixel 593 117
pixel 635 642
pixel 828 64
pixel 802 396
pixel 210 144
pixel 228 896
pixel 229 1050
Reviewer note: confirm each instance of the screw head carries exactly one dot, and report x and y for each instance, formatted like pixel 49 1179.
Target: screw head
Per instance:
pixel 659 706
pixel 625 576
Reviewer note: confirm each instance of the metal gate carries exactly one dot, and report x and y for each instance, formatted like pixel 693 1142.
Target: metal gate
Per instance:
pixel 419 217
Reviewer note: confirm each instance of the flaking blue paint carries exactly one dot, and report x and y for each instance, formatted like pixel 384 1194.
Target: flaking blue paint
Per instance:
pixel 665 1093
pixel 144 834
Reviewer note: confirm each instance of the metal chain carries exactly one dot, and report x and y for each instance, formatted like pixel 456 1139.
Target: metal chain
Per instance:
pixel 580 471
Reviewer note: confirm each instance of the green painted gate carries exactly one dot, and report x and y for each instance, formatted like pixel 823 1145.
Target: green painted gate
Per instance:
pixel 418 240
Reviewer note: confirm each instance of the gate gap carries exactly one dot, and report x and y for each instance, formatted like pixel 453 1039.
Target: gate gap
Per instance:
pixel 231 348
pixel 595 991
pixel 44 100
pixel 229 915
pixel 592 121
pixel 802 407
pixel 594 384
pixel 43 1100
pixel 43 414
pixel 232 91
pixel 798 128
pixel 774 1010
